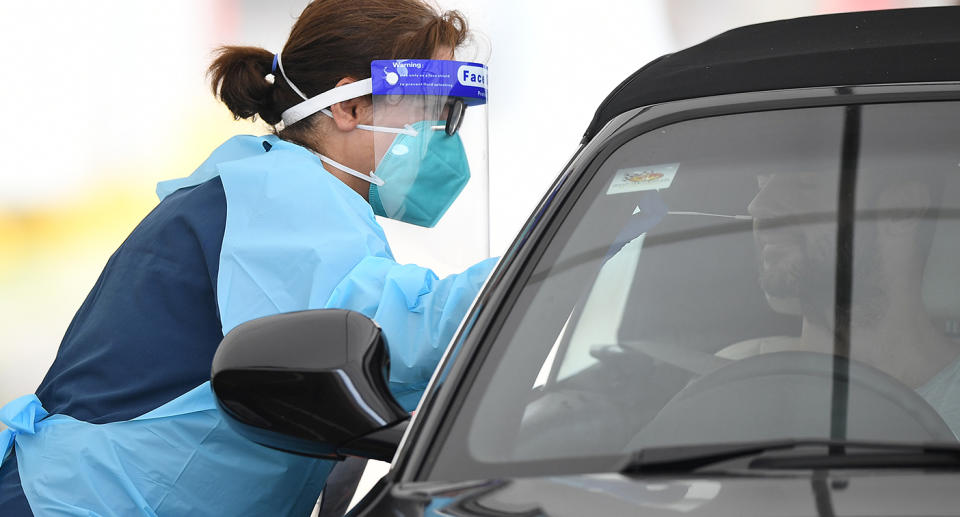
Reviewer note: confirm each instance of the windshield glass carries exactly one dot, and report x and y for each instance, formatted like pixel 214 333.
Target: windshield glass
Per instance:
pixel 707 286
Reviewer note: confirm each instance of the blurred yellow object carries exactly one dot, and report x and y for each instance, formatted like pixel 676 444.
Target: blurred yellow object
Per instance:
pixel 51 253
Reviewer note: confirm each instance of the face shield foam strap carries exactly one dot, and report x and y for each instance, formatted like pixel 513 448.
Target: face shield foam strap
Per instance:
pixel 322 102
pixel 326 99
pixel 311 105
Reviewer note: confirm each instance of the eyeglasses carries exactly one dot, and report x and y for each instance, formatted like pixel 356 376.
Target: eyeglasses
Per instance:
pixel 455 109
pixel 455 115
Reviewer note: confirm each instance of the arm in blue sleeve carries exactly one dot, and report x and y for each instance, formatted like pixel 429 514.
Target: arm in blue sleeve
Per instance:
pixel 418 313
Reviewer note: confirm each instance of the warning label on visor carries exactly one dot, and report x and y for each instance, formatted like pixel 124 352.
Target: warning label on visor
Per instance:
pixel 430 77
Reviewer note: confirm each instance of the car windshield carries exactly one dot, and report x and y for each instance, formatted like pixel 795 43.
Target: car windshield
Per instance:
pixel 706 287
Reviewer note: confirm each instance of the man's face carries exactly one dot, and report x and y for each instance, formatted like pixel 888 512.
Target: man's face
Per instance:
pixel 795 230
pixel 795 233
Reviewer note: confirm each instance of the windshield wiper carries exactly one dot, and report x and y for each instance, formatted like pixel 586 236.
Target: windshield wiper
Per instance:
pixel 837 454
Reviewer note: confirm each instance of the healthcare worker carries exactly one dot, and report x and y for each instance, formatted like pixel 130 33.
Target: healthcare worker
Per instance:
pixel 367 105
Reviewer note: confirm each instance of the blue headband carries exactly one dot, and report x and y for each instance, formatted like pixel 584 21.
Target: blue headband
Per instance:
pixel 274 67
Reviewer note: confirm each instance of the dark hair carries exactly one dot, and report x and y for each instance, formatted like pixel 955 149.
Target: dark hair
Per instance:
pixel 331 40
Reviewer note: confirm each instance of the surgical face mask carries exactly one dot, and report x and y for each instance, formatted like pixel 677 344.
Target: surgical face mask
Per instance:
pixel 420 175
pixel 423 172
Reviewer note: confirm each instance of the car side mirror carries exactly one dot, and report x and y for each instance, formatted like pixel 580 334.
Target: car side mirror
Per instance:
pixel 312 383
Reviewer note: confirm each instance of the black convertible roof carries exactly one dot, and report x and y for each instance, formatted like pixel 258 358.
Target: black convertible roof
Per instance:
pixel 872 47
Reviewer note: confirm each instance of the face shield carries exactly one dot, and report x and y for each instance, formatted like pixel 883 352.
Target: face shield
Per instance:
pixel 421 110
pixel 430 147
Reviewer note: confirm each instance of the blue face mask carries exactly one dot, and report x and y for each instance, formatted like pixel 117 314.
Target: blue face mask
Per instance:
pixel 422 175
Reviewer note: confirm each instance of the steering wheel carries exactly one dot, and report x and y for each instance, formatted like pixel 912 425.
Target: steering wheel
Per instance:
pixel 788 395
pixel 687 359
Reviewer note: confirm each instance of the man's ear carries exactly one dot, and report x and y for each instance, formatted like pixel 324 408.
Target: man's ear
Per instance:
pixel 902 206
pixel 349 113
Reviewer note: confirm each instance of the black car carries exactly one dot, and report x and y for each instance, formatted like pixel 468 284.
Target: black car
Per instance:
pixel 740 297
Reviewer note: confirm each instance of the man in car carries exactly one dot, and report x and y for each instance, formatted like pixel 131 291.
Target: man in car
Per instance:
pixel 795 230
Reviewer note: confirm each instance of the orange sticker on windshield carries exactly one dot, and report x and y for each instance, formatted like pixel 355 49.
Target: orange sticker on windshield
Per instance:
pixel 635 179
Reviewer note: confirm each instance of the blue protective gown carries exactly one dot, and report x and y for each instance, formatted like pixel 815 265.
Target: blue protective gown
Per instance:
pixel 259 228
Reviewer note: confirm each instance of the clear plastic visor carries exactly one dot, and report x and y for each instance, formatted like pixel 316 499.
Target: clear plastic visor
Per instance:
pixel 431 151
pixel 442 119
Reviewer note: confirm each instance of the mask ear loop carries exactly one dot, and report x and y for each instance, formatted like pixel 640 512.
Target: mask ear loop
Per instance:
pixel 407 129
pixel 372 178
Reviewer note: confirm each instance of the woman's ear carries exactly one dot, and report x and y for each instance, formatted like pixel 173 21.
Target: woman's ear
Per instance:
pixel 350 113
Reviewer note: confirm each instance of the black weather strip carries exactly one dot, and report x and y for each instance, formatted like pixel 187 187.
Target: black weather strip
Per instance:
pixel 843 287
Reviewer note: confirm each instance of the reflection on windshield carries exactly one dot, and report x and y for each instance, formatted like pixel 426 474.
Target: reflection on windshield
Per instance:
pixel 690 296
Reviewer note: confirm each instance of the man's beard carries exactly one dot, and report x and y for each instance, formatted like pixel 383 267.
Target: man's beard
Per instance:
pixel 782 266
pixel 803 270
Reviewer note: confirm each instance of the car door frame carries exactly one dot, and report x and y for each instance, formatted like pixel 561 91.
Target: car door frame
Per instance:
pixel 473 342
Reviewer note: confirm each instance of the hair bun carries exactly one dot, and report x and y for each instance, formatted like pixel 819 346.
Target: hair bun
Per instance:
pixel 242 77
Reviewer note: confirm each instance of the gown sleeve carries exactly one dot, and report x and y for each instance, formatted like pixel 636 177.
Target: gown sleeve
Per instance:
pixel 295 240
pixel 417 311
